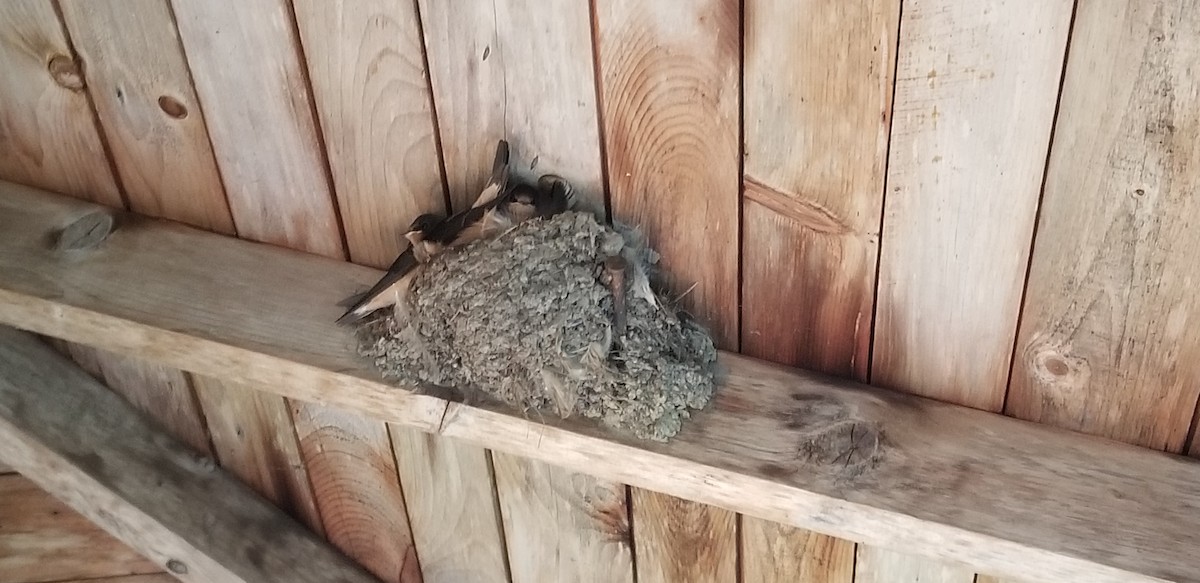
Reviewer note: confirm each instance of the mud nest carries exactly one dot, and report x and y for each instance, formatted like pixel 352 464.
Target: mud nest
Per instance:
pixel 527 318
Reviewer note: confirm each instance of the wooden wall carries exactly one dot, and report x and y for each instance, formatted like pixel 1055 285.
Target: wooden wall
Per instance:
pixel 989 203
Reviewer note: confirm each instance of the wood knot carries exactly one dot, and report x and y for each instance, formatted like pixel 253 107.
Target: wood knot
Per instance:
pixel 829 434
pixel 86 232
pixel 66 72
pixel 176 566
pixel 1054 366
pixel 172 107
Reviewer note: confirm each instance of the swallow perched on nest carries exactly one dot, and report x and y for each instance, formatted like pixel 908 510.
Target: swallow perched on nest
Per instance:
pixel 502 204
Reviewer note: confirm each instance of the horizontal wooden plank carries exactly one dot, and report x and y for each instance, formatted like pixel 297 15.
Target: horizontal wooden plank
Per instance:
pixel 94 451
pixel 897 471
pixel 42 539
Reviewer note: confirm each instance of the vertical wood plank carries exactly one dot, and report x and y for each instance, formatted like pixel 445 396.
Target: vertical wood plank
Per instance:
pixel 253 438
pixel 48 136
pixel 43 539
pixel 1108 343
pixel 679 540
pixel 247 71
pixel 167 162
pixel 670 92
pixel 818 84
pixel 776 552
pixel 541 502
pixel 139 81
pixel 368 75
pixel 354 478
pixel 965 166
pixel 670 75
pixel 818 99
pixel 266 140
pixel 880 566
pixel 524 72
pixel 976 87
pixel 449 492
pixel 515 70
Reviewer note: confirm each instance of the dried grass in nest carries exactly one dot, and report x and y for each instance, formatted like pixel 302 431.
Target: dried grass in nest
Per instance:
pixel 526 319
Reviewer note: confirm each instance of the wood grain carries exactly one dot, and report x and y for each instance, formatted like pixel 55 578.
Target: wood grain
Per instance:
pixel 670 92
pixel 354 478
pixel 523 72
pixel 520 71
pixel 678 540
pixel 162 393
pixel 149 490
pixel 818 101
pixel 670 82
pixel 541 503
pixel 1061 506
pixel 372 95
pixel 43 539
pixel 253 438
pixel 1108 341
pixel 247 71
pixel 139 81
pixel 776 552
pixel 48 136
pixel 881 566
pixel 153 578
pixel 818 90
pixel 279 194
pixel 451 506
pixel 964 176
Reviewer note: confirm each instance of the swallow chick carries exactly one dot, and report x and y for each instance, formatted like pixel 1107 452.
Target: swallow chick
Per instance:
pixel 502 204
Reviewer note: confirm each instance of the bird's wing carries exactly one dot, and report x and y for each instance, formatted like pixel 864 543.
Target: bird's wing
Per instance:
pixel 362 304
pixel 498 181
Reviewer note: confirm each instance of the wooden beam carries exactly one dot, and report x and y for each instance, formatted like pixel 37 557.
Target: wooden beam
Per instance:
pixel 1005 496
pixel 92 450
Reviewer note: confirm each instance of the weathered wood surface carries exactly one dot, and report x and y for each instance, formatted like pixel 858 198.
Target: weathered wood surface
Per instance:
pixel 1060 505
pixel 452 507
pixel 965 167
pixel 48 136
pixel 246 66
pixel 561 525
pixel 252 438
pixel 85 445
pixel 669 75
pixel 148 108
pixel 964 174
pixel 680 540
pixel 279 192
pixel 883 566
pixel 372 96
pixel 43 539
pixel 1109 343
pixel 818 88
pixel 159 392
pixel 520 71
pixel 354 479
pixel 523 71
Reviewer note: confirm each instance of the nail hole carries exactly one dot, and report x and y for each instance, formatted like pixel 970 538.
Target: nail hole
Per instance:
pixel 172 107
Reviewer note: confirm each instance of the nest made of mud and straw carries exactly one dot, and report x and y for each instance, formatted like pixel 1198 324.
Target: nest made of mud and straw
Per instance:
pixel 527 319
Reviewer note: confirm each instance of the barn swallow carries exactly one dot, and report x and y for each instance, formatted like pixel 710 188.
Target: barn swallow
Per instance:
pixel 502 204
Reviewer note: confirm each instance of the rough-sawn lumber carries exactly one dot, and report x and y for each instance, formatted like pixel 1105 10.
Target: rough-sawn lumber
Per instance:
pixel 906 473
pixel 91 449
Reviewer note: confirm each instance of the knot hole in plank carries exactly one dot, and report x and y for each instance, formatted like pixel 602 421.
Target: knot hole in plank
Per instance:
pixel 171 106
pixel 67 72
